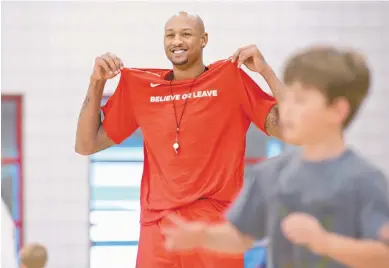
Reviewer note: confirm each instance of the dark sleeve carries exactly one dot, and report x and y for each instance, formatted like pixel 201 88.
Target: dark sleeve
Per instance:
pixel 374 198
pixel 248 212
pixel 119 120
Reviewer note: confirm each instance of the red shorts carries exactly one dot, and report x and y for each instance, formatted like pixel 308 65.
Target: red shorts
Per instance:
pixel 152 253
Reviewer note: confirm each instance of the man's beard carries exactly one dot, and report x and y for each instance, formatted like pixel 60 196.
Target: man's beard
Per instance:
pixel 179 63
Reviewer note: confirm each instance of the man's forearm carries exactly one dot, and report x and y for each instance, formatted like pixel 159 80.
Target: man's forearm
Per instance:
pixel 356 253
pixel 89 120
pixel 272 120
pixel 225 238
pixel 275 85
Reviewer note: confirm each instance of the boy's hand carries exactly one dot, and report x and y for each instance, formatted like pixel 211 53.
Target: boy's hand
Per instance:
pixel 384 233
pixel 303 229
pixel 183 235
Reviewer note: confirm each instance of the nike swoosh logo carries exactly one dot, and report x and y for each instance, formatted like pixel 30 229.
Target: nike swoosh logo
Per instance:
pixel 154 85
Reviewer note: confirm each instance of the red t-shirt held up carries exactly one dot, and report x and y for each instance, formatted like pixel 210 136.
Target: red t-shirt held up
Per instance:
pixel 212 137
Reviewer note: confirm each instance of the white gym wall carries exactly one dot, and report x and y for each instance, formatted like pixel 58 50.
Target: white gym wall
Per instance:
pixel 48 51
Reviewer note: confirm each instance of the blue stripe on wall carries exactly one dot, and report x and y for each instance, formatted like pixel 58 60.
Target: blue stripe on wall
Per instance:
pixel 114 243
pixel 113 193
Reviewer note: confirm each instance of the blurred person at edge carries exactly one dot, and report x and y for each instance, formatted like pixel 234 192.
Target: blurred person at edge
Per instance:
pixel 33 255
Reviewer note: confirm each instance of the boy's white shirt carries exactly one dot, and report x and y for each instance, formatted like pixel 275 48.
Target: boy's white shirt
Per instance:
pixel 8 249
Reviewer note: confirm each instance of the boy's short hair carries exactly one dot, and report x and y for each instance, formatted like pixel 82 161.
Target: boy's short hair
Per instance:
pixel 337 73
pixel 33 256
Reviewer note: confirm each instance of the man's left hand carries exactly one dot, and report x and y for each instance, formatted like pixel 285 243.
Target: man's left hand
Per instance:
pixel 251 57
pixel 304 230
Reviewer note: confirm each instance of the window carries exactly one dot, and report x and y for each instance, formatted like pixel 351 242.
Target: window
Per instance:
pixel 11 161
pixel 274 147
pixel 115 176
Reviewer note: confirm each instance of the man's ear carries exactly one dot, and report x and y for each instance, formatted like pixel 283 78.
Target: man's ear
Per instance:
pixel 204 40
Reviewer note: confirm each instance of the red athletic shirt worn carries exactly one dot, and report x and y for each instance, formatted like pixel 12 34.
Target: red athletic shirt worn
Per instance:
pixel 212 137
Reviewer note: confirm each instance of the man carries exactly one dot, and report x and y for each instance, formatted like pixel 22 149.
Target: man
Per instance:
pixel 323 206
pixel 194 120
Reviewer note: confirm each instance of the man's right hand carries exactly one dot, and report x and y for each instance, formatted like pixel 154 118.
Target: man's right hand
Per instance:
pixel 107 66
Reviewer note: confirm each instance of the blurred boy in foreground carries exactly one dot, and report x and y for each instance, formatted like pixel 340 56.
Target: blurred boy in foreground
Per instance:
pixel 321 206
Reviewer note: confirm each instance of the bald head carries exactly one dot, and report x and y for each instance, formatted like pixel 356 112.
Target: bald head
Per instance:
pixel 185 39
pixel 190 19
